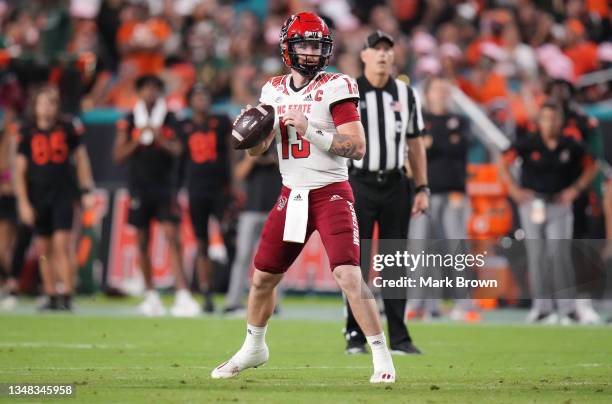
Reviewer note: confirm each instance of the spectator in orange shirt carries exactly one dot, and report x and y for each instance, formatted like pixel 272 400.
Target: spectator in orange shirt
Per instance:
pixel 582 52
pixel 141 38
pixel 592 14
pixel 599 7
pixel 484 84
pixel 492 29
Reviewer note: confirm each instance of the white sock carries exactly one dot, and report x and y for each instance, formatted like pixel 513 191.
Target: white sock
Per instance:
pixel 182 294
pixel 381 357
pixel 151 294
pixel 255 337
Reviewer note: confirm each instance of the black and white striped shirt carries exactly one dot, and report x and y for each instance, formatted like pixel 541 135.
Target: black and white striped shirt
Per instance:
pixel 389 116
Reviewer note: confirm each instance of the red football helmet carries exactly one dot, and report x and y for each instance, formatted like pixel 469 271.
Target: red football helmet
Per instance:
pixel 304 27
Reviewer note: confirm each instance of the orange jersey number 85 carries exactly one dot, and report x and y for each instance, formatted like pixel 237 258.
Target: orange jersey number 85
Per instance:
pixel 203 147
pixel 53 148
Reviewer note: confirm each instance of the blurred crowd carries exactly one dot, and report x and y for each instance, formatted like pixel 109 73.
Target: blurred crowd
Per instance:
pixel 499 52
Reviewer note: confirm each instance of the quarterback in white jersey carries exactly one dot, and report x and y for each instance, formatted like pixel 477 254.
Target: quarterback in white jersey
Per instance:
pixel 303 165
pixel 317 128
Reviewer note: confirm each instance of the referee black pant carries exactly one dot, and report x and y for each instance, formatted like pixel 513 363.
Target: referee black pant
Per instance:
pixel 385 198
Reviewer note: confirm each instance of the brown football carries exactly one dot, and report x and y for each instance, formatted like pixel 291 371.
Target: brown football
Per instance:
pixel 253 126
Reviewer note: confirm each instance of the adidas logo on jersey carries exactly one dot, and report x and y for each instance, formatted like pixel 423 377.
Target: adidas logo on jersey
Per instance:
pixel 297 198
pixel 335 198
pixel 308 97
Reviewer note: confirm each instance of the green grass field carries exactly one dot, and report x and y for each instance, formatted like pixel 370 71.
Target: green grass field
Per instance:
pixel 131 359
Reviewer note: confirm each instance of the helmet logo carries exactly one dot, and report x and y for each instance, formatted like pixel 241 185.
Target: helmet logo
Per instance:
pixel 313 34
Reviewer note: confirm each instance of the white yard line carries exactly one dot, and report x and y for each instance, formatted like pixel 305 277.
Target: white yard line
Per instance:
pixel 98 368
pixel 62 345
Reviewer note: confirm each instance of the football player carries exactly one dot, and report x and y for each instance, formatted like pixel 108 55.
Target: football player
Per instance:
pixel 317 128
pixel 205 139
pixel 147 141
pixel 47 190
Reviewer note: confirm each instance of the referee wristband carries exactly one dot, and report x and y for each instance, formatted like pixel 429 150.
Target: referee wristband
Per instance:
pixel 323 140
pixel 85 190
pixel 423 188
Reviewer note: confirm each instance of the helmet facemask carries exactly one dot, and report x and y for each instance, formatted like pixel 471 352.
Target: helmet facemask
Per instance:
pixel 297 33
pixel 314 54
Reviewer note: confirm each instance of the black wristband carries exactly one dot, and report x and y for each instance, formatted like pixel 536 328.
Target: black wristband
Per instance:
pixel 423 188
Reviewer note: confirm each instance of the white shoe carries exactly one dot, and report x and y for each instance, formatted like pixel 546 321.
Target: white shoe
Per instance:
pixel 456 314
pixel 241 361
pixel 551 319
pixel 383 376
pixel 8 303
pixel 566 320
pixel 586 313
pixel 537 317
pixel 185 305
pixel 152 305
pixel 532 316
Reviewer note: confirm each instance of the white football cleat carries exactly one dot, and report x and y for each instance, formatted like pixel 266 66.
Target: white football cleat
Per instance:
pixel 384 376
pixel 537 317
pixel 586 312
pixel 152 305
pixel 532 316
pixel 185 305
pixel 8 303
pixel 568 319
pixel 550 319
pixel 239 362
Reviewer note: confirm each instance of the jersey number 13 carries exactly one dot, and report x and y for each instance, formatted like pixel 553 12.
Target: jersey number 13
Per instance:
pixel 300 148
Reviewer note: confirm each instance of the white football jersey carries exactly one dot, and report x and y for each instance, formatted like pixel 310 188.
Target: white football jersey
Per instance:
pixel 304 165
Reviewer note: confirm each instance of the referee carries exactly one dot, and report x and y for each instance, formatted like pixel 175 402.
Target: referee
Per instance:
pixel 391 116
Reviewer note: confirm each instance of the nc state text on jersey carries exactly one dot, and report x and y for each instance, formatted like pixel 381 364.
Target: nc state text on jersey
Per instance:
pixel 303 108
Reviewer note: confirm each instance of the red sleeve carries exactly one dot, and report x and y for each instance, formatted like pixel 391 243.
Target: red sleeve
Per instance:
pixel 345 112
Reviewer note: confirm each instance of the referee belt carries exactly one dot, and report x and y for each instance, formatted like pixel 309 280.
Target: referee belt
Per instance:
pixel 380 176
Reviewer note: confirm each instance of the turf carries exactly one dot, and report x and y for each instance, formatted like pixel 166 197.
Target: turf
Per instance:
pixel 132 359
